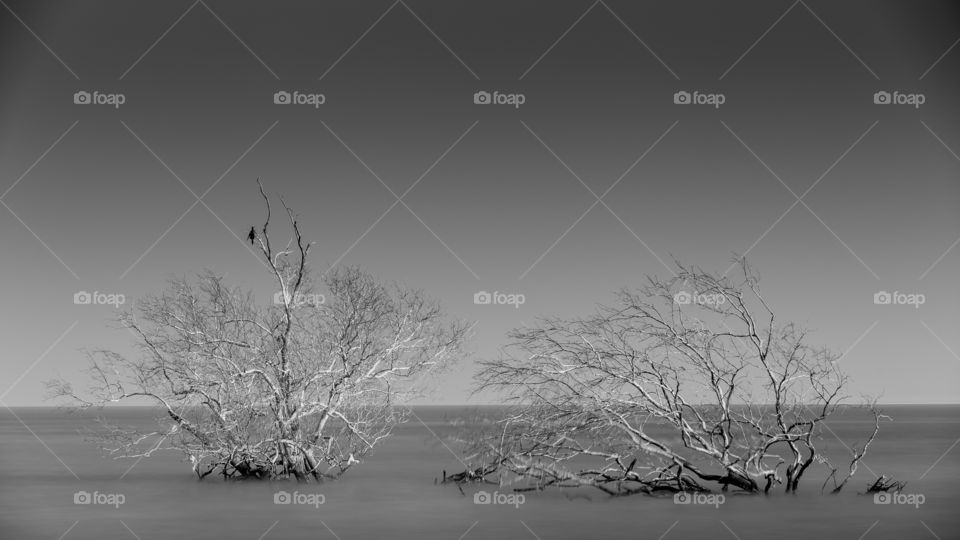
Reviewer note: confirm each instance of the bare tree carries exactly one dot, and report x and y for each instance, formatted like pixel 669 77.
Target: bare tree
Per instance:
pixel 684 385
pixel 302 388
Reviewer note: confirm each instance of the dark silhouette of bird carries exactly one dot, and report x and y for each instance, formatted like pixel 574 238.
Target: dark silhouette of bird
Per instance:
pixel 252 235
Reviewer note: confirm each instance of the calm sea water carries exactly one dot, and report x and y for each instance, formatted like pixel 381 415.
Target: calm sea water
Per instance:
pixel 393 495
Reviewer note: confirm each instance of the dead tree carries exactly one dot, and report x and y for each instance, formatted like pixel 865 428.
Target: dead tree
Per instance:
pixel 301 388
pixel 685 385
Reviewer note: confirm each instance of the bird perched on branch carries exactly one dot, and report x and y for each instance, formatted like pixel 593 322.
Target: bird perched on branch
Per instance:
pixel 252 235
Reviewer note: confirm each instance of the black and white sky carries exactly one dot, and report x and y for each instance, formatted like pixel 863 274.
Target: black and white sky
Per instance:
pixel 595 180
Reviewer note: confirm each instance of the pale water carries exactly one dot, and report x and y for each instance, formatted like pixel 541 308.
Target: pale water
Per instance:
pixel 393 495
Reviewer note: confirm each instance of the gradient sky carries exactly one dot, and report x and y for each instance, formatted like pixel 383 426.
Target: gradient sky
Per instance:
pixel 97 188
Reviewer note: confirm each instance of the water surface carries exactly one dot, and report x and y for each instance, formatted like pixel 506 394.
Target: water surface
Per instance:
pixel 393 495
